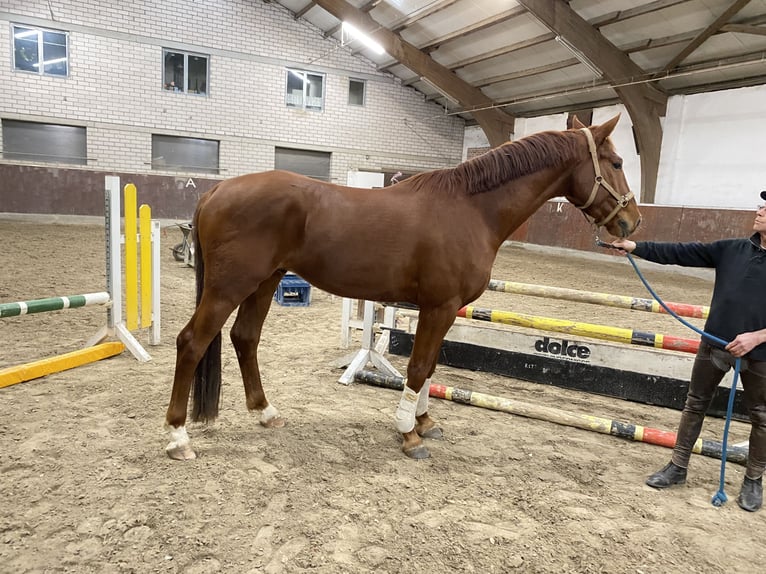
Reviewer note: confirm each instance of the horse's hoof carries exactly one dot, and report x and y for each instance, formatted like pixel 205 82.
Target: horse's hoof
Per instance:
pixel 180 452
pixel 419 452
pixel 433 432
pixel 275 423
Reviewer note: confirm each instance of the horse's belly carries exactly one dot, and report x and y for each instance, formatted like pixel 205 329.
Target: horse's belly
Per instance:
pixel 370 280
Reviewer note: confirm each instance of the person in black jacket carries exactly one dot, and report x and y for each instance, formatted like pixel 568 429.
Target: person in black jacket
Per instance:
pixel 738 315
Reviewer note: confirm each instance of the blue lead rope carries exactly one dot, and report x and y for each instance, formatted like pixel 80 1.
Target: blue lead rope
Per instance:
pixel 719 498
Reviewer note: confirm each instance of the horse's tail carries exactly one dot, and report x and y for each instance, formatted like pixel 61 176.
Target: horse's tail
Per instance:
pixel 207 377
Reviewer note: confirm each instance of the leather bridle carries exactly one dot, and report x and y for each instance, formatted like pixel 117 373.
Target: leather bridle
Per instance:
pixel 622 200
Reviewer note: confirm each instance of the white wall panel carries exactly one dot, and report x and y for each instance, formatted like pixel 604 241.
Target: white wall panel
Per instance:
pixel 713 149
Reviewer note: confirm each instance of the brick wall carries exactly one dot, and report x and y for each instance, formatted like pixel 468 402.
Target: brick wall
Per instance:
pixel 115 88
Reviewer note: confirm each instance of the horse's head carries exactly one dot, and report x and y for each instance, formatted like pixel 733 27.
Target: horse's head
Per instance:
pixel 599 188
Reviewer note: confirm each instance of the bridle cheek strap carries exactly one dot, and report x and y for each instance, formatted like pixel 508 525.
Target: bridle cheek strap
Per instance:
pixel 622 200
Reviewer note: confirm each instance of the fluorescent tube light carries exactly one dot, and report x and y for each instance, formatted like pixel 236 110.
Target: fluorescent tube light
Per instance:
pixel 356 34
pixel 580 56
pixel 438 89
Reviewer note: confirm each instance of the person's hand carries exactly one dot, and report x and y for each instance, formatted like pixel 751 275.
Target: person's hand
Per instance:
pixel 744 343
pixel 625 245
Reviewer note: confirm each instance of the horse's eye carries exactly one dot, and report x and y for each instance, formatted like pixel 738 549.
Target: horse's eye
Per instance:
pixel 617 165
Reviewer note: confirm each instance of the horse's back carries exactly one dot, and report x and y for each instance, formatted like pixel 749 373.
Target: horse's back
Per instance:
pixel 366 243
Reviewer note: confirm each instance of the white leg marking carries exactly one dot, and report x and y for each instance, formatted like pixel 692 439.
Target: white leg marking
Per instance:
pixel 179 446
pixel 405 412
pixel 269 413
pixel 178 436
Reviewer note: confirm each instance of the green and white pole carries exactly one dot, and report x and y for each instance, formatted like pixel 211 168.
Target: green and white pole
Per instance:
pixel 53 304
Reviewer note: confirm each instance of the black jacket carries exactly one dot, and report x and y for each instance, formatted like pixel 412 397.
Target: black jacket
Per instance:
pixel 739 296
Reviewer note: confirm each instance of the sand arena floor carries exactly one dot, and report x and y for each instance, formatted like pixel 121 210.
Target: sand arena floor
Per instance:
pixel 85 485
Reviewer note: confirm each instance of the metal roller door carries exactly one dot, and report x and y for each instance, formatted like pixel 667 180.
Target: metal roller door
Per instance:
pixel 314 164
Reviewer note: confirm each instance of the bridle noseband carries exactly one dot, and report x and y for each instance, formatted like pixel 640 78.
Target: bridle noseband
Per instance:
pixel 622 200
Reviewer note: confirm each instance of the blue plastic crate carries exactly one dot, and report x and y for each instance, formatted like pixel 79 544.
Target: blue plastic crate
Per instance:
pixel 293 291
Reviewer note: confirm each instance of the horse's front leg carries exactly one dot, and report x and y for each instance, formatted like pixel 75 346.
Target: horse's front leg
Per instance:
pixel 412 419
pixel 425 426
pixel 245 336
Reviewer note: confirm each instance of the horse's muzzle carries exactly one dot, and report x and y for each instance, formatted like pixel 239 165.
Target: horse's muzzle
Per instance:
pixel 626 229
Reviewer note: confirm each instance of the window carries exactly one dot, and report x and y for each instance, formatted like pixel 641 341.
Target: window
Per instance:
pixel 32 141
pixel 306 162
pixel 184 72
pixel 305 90
pixel 356 91
pixel 40 51
pixel 171 153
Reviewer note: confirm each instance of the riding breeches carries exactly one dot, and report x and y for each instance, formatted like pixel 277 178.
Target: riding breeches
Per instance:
pixel 707 373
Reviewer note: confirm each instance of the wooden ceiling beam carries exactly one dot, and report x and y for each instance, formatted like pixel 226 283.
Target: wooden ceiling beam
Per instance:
pixel 714 27
pixel 747 26
pixel 516 46
pixel 743 29
pixel 369 6
pixel 645 102
pixel 699 67
pixel 497 124
pixel 519 74
pixel 418 15
pixel 612 18
pixel 622 15
pixel 600 21
pixel 303 11
pixel 473 28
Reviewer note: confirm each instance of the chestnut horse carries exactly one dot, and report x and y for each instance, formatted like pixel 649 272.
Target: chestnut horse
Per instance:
pixel 430 240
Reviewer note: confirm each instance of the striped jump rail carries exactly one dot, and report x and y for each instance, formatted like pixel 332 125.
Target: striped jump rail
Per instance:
pixel 53 304
pixel 705 447
pixel 603 332
pixel 607 299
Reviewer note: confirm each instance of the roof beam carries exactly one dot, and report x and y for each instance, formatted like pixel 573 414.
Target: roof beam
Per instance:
pixel 302 12
pixel 736 6
pixel 743 29
pixel 417 15
pixel 644 102
pixel 473 28
pixel 622 15
pixel 364 8
pixel 528 43
pixel 517 75
pixel 497 125
pixel 599 22
pixel 748 26
pixel 697 68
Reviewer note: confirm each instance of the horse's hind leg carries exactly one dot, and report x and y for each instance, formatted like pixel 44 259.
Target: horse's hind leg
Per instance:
pixel 245 336
pixel 191 344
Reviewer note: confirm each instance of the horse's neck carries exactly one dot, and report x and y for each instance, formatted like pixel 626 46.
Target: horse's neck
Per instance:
pixel 510 205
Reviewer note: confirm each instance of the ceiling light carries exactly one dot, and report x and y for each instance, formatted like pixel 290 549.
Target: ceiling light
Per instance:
pixel 438 89
pixel 582 58
pixel 353 33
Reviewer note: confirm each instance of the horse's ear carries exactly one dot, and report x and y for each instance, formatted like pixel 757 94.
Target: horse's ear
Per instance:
pixel 577 124
pixel 600 133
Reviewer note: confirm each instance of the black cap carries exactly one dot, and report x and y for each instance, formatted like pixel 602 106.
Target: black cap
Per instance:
pixel 763 195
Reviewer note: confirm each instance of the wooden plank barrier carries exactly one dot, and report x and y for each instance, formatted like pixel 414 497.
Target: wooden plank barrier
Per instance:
pixel 36 369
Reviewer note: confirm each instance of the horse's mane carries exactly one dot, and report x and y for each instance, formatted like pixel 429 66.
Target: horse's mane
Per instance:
pixel 505 163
